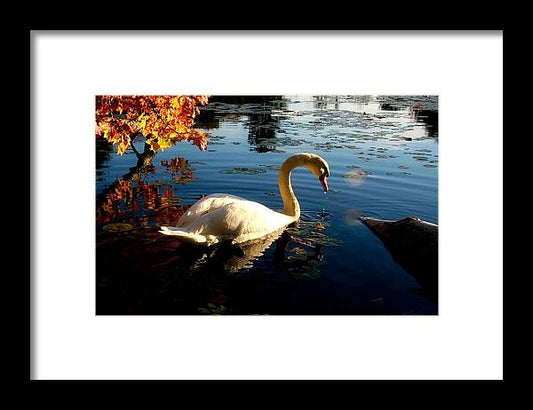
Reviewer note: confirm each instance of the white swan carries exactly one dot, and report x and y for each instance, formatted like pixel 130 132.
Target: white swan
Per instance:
pixel 222 217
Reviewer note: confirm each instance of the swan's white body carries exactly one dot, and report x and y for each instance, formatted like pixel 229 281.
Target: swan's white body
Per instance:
pixel 222 217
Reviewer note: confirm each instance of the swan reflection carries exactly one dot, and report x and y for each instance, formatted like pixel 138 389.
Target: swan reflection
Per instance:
pixel 243 256
pixel 298 249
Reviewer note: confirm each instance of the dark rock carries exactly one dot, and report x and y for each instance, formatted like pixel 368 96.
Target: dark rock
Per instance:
pixel 413 244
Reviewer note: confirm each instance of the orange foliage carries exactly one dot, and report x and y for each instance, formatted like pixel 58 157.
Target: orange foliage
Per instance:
pixel 162 120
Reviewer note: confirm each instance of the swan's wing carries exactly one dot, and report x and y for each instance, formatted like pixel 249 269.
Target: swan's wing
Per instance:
pixel 238 220
pixel 207 204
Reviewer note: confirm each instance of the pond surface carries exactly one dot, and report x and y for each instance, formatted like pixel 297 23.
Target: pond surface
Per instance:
pixel 383 156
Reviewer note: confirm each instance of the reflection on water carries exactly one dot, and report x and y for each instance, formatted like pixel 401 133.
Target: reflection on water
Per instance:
pixel 382 151
pixel 147 261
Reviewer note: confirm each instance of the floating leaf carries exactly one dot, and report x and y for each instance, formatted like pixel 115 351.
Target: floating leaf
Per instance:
pixel 159 183
pixel 118 227
pixel 213 309
pixel 299 251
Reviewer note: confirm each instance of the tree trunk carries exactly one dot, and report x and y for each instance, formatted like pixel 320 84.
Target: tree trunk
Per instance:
pixel 144 160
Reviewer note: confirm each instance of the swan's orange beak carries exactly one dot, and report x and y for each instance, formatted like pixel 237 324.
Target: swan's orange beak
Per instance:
pixel 324 182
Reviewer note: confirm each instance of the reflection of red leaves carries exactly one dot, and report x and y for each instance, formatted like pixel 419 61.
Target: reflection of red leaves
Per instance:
pixel 170 215
pixel 219 300
pixel 179 166
pixel 110 209
pixel 140 204
pixel 168 192
pixel 176 164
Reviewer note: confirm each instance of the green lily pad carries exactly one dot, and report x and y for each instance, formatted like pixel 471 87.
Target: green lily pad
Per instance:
pixel 274 166
pixel 305 272
pixel 356 174
pixel 242 170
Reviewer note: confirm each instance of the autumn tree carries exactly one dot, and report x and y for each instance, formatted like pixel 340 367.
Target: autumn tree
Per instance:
pixel 161 120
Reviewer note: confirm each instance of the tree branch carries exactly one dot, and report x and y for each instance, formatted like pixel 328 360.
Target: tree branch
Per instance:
pixel 134 149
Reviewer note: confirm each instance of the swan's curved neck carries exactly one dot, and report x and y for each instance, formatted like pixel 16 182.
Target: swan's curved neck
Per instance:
pixel 291 207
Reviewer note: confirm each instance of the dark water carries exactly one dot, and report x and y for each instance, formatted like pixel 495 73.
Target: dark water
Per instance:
pixel 383 155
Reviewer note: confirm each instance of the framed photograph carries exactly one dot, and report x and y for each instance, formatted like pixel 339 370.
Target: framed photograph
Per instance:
pixel 255 199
